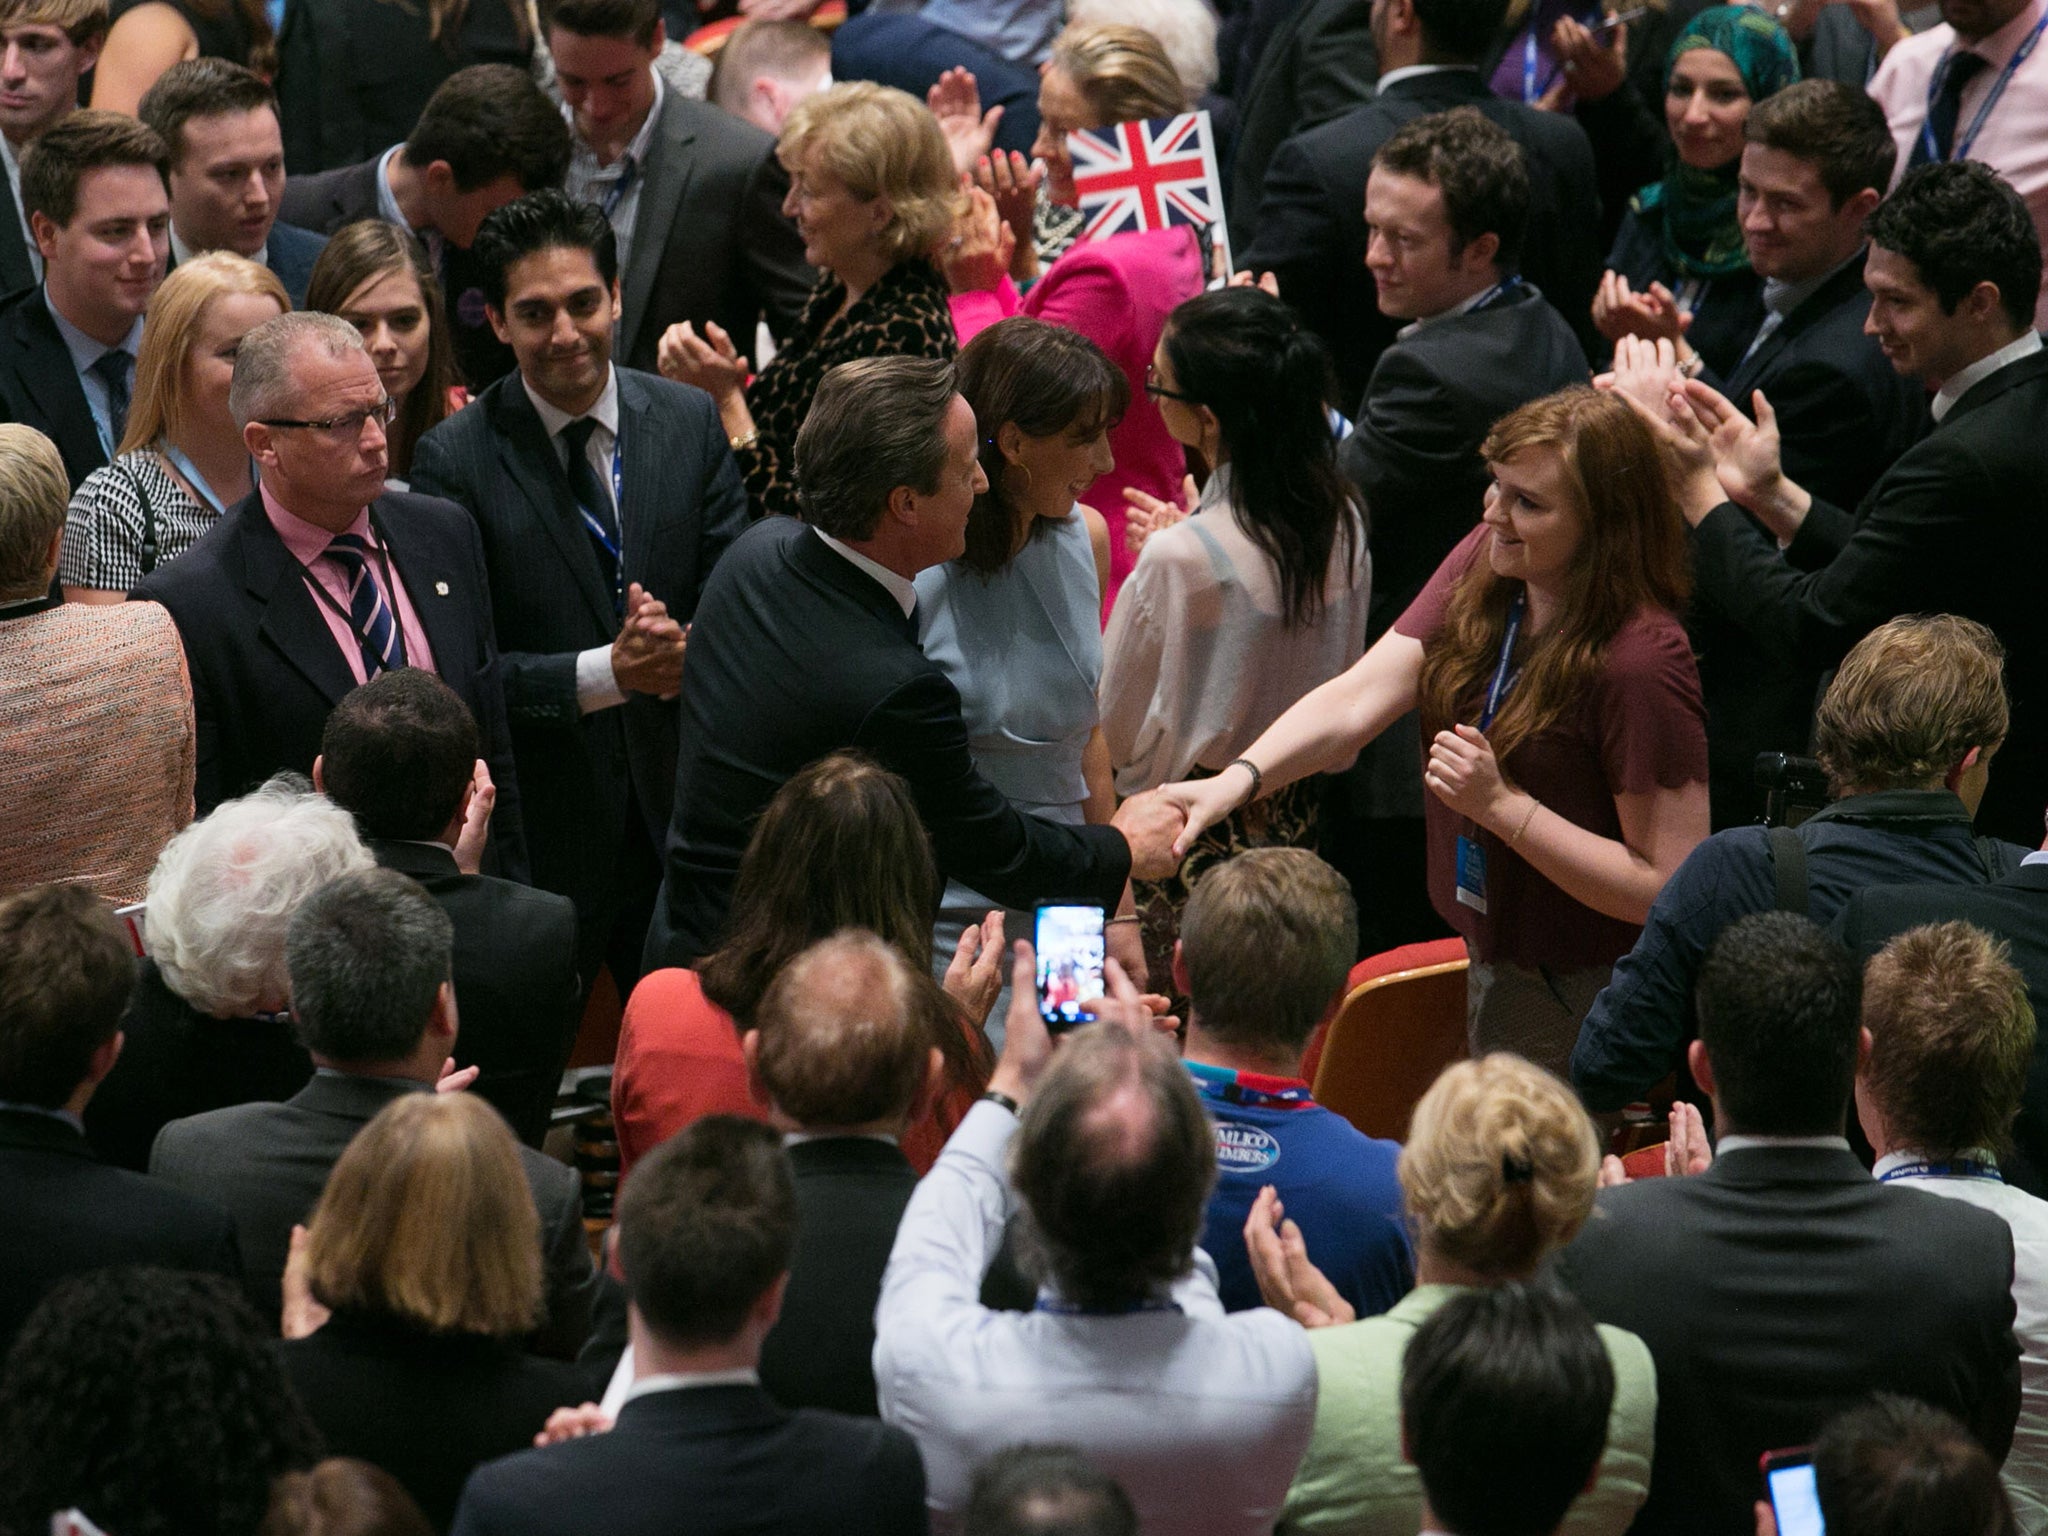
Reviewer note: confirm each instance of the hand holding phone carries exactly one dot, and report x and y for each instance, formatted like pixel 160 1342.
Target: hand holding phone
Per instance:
pixel 1795 1500
pixel 1070 954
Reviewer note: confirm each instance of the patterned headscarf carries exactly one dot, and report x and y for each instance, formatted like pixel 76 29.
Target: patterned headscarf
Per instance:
pixel 1702 233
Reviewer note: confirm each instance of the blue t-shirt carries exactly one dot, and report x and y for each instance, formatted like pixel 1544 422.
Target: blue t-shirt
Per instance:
pixel 1337 1182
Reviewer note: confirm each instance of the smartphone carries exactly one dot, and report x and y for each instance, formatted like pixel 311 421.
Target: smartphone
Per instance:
pixel 1069 944
pixel 1795 1501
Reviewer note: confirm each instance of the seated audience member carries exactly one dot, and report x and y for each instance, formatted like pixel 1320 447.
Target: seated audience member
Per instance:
pixel 1498 1174
pixel 97 745
pixel 840 846
pixel 1046 1490
pixel 1200 1416
pixel 1952 1035
pixel 181 463
pixel 1959 522
pixel 342 1496
pixel 399 755
pixel 370 958
pixel 65 974
pixel 68 347
pixel 873 196
pixel 707 1226
pixel 1504 1401
pixel 1265 946
pixel 150 36
pixel 151 1402
pixel 219 122
pixel 426 1251
pixel 1000 48
pixel 767 67
pixel 1895 1466
pixel 1784 1282
pixel 59 42
pixel 209 1024
pixel 1906 733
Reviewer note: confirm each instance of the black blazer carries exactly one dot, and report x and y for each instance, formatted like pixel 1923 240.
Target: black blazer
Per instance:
pixel 265 668
pixel 1776 1289
pixel 850 1195
pixel 797 654
pixel 326 200
pixel 290 253
pixel 1319 61
pixel 707 1461
pixel 684 503
pixel 516 988
pixel 1311 221
pixel 66 1212
pixel 428 1408
pixel 39 385
pixel 17 271
pixel 1958 524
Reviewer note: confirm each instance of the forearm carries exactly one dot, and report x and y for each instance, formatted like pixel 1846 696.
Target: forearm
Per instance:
pixel 1095 768
pixel 733 414
pixel 1330 724
pixel 1603 873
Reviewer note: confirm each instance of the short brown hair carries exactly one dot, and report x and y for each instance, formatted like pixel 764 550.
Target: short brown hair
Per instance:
pixel 841 1041
pixel 1952 1036
pixel 1909 702
pixel 763 49
pixel 66 970
pixel 81 20
pixel 875 424
pixel 1835 126
pixel 636 19
pixel 201 87
pixel 489 121
pixel 342 1496
pixel 427 1216
pixel 57 162
pixel 1268 939
pixel 34 493
pixel 1124 73
pixel 1478 168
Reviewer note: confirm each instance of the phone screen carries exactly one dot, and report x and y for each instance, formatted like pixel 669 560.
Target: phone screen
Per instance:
pixel 1794 1498
pixel 1069 943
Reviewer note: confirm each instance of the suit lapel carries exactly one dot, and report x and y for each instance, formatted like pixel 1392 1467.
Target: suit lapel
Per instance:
pixel 1818 304
pixel 430 583
pixel 291 618
pixel 43 363
pixel 530 462
pixel 16 270
pixel 661 193
pixel 641 450
pixel 1984 391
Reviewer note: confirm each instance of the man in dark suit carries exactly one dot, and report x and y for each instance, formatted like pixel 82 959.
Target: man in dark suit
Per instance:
pixel 1319 61
pixel 1959 523
pixel 1310 233
pixel 604 497
pixel 46 46
pixel 66 970
pixel 804 644
pixel 322 580
pixel 219 122
pixel 399 754
pixel 694 194
pixel 370 956
pixel 706 1228
pixel 1784 1283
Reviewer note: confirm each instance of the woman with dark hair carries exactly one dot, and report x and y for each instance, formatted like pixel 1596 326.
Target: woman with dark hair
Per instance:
pixel 377 278
pixel 840 846
pixel 1567 770
pixel 1229 613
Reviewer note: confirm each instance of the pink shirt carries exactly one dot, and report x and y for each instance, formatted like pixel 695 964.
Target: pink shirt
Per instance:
pixel 308 545
pixel 2014 138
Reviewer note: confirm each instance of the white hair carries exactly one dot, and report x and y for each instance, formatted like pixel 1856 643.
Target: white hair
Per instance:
pixel 225 887
pixel 1186 29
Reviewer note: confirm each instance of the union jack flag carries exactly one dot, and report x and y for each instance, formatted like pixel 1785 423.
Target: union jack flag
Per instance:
pixel 1154 174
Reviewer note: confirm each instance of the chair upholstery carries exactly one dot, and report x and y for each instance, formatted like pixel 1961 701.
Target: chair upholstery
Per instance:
pixel 1401 1023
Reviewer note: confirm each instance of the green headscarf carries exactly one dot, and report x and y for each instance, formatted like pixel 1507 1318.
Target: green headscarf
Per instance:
pixel 1702 233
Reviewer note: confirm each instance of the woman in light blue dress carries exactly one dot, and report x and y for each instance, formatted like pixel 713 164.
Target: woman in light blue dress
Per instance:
pixel 1015 621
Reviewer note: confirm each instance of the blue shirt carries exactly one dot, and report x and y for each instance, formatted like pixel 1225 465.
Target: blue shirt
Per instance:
pixel 84 353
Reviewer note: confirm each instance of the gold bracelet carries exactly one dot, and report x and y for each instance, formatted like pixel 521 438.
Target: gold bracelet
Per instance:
pixel 747 439
pixel 1131 918
pixel 1535 805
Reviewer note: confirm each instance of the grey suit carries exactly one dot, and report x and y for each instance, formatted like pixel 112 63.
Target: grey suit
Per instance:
pixel 267 1163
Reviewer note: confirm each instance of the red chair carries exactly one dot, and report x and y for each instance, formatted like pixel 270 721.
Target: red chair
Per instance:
pixel 1401 1023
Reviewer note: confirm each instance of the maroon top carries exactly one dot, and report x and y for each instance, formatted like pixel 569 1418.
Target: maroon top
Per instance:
pixel 1641 727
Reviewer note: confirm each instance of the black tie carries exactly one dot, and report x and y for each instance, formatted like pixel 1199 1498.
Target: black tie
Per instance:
pixel 593 505
pixel 115 369
pixel 1947 107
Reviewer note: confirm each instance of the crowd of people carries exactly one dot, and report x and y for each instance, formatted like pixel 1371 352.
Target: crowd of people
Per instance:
pixel 686 512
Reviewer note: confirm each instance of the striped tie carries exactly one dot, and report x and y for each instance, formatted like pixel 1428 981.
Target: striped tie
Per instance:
pixel 375 624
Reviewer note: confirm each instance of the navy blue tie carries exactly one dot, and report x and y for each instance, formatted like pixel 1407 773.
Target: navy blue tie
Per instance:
pixel 600 520
pixel 383 643
pixel 1947 107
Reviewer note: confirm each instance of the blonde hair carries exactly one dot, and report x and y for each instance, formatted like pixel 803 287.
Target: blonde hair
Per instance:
pixel 1501 1165
pixel 34 493
pixel 81 20
pixel 881 142
pixel 428 1217
pixel 1123 72
pixel 1909 701
pixel 170 326
pixel 1186 30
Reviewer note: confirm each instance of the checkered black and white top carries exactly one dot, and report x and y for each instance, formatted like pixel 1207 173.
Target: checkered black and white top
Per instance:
pixel 103 529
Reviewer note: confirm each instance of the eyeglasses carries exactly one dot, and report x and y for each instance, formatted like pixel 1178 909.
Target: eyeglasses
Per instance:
pixel 1159 391
pixel 384 412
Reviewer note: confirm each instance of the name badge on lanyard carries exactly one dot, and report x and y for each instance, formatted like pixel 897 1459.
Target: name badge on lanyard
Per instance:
pixel 1962 146
pixel 1471 887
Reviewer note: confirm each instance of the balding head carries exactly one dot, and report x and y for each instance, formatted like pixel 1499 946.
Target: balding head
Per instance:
pixel 840 1039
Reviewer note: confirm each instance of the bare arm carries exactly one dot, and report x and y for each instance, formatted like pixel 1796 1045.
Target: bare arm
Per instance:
pixel 141 46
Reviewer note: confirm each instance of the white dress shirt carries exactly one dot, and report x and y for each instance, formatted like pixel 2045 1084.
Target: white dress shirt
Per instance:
pixel 589 182
pixel 904 591
pixel 597 687
pixel 1967 379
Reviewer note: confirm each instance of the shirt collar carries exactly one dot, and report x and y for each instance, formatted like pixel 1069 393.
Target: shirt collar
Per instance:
pixel 1417 71
pixel 1781 297
pixel 83 349
pixel 1795 1143
pixel 1905 1157
pixel 904 592
pixel 798 1138
pixel 306 541
pixel 387 202
pixel 1962 383
pixel 1464 306
pixel 47 1111
pixel 677 1381
pixel 2038 856
pixel 605 413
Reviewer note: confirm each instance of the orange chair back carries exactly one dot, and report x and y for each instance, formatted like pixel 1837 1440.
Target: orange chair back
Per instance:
pixel 1393 1034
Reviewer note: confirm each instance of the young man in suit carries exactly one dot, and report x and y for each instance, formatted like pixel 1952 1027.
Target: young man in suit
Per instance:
pixel 706 1228
pixel 322 579
pixel 219 122
pixel 370 957
pixel 66 970
pixel 45 47
pixel 693 194
pixel 604 497
pixel 399 754
pixel 1784 1283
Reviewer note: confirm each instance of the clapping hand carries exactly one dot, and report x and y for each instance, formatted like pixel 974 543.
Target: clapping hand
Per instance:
pixel 982 247
pixel 647 656
pixel 1288 1282
pixel 1645 372
pixel 711 361
pixel 955 100
pixel 1147 514
pixel 1619 310
pixel 476 820
pixel 1746 456
pixel 1464 774
pixel 1013 182
pixel 974 976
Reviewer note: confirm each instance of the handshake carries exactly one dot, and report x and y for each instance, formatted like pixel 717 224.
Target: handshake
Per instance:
pixel 1152 824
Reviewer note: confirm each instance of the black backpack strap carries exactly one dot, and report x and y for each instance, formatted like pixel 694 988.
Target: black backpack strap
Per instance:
pixel 1788 867
pixel 146 552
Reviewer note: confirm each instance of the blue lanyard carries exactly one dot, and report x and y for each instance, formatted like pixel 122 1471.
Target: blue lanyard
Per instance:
pixel 1502 680
pixel 1955 1168
pixel 619 188
pixel 1961 150
pixel 594 526
pixel 196 480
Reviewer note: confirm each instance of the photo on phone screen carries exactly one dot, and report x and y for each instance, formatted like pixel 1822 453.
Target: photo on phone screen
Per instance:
pixel 1795 1501
pixel 1069 944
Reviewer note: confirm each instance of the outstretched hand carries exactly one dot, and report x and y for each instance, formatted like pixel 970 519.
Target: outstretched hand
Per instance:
pixel 710 361
pixel 974 976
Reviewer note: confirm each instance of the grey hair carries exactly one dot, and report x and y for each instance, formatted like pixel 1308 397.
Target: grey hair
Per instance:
pixel 1186 29
pixel 367 953
pixel 225 887
pixel 874 424
pixel 263 381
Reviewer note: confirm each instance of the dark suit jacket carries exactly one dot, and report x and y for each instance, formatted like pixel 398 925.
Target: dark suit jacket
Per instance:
pixel 516 987
pixel 16 270
pixel 1776 1289
pixel 1959 524
pixel 289 252
pixel 326 200
pixel 707 1461
pixel 684 503
pixel 2014 909
pixel 850 1195
pixel 797 654
pixel 39 385
pixel 267 1163
pixel 265 668
pixel 1311 222
pixel 1320 61
pixel 66 1212
pixel 709 238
